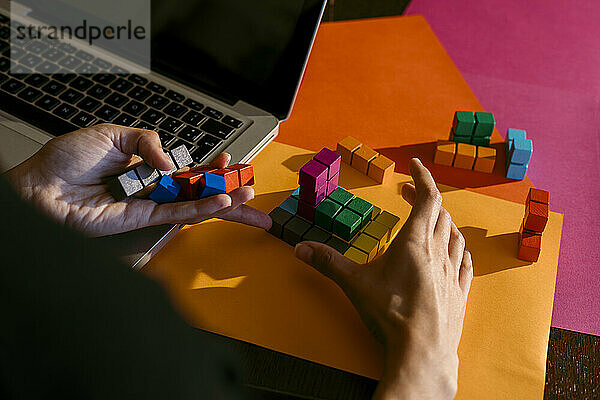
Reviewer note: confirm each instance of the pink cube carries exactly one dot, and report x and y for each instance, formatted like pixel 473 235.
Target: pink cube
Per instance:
pixel 312 196
pixel 332 184
pixel 306 211
pixel 331 160
pixel 313 175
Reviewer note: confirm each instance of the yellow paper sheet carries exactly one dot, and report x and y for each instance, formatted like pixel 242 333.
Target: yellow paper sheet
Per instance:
pixel 244 283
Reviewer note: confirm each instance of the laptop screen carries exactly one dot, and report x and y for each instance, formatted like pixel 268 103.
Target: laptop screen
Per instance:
pixel 236 49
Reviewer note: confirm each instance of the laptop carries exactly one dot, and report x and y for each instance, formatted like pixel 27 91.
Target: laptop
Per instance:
pixel 223 74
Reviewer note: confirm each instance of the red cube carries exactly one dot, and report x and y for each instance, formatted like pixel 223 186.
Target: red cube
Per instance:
pixel 530 244
pixel 189 182
pixel 246 172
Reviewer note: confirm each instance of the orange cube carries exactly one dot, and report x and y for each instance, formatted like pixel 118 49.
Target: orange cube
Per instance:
pixel 189 182
pixel 530 244
pixel 381 168
pixel 465 155
pixel 246 172
pixel 362 158
pixel 232 178
pixel 346 148
pixel 485 159
pixel 444 152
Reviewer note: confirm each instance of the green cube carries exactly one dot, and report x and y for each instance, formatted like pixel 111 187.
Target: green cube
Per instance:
pixel 279 217
pixel 484 125
pixel 461 139
pixel 294 229
pixel 316 234
pixel 341 196
pixel 362 208
pixel 346 224
pixel 338 244
pixel 481 141
pixel 464 123
pixel 326 212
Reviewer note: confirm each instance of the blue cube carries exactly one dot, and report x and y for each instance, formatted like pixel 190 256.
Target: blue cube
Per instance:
pixel 166 190
pixel 516 171
pixel 521 152
pixel 512 134
pixel 214 181
pixel 207 191
pixel 290 205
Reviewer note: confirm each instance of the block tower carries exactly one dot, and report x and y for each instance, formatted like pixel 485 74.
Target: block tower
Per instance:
pixel 318 178
pixel 518 153
pixel 474 128
pixel 533 225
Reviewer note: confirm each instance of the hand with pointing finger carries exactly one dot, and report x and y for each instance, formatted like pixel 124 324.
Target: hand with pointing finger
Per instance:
pixel 412 298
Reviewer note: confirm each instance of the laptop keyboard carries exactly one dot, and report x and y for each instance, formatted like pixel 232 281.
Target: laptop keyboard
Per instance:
pixel 79 96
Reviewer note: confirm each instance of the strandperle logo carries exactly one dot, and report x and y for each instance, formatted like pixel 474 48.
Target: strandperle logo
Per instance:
pixel 85 31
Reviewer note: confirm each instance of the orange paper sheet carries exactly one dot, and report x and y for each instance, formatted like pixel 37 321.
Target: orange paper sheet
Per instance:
pixel 244 283
pixel 389 83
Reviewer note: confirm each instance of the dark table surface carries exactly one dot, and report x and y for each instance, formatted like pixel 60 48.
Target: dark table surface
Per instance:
pixel 573 363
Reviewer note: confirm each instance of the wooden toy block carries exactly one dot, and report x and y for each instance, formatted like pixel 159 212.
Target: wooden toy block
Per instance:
pixel 538 195
pixel 331 160
pixel 338 244
pixel 366 244
pixel 313 175
pixel 484 124
pixel 326 212
pixel 530 244
pixel 231 178
pixel 190 183
pixel 378 232
pixel 246 172
pixel 460 139
pixel 391 221
pixel 362 208
pixel 463 123
pixel 147 174
pixel 444 152
pixel 294 229
pixel 486 159
pixel 316 234
pixel 516 171
pixel 170 171
pixel 362 158
pixel 306 210
pixel 205 191
pixel 280 217
pixel 290 205
pixel 511 135
pixel 356 255
pixel 181 156
pixel 521 152
pixel 376 212
pixel 202 168
pixel 311 196
pixel 166 190
pixel 465 156
pixel 536 216
pixel 296 192
pixel 332 184
pixel 481 141
pixel 341 196
pixel 346 148
pixel 346 224
pixel 381 169
pixel 125 185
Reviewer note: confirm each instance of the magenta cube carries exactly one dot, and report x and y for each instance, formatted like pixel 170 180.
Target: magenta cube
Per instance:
pixel 312 196
pixel 331 160
pixel 332 184
pixel 306 211
pixel 313 175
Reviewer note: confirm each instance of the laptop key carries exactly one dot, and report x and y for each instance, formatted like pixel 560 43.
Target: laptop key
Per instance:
pixel 4 64
pixel 30 60
pixel 190 134
pixel 67 48
pixel 64 76
pixel 71 96
pixel 106 112
pixel 145 125
pixel 138 80
pixel 70 62
pixel 116 100
pixel 103 79
pixel 30 94
pixel 175 110
pixel 65 111
pixel 47 68
pixel 179 142
pixel 121 85
pixel 193 118
pixel 211 112
pixel 171 125
pixel 139 93
pixel 53 55
pixel 36 80
pixel 165 137
pixel 37 46
pixel 157 101
pixel 82 84
pixel 47 103
pixel 118 71
pixel 152 116
pixel 217 129
pixel 83 120
pixel 173 95
pixel 54 88
pixel 235 123
pixel 3 77
pixel 155 87
pixel 124 120
pixel 135 108
pixel 20 70
pixel 13 86
pixel 87 69
pixel 99 92
pixel 102 64
pixel 206 145
pixel 84 56
pixel 194 105
pixel 14 53
pixel 88 104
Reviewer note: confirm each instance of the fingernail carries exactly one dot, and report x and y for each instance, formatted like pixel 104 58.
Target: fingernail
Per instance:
pixel 303 252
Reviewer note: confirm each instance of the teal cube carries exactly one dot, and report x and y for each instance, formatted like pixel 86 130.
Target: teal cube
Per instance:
pixel 362 208
pixel 484 124
pixel 326 212
pixel 341 196
pixel 464 123
pixel 346 224
pixel 290 205
pixel 481 141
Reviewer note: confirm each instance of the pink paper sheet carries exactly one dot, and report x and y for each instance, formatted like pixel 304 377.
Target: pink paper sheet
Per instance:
pixel 535 65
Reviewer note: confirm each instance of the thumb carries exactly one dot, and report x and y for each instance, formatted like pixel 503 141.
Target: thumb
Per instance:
pixel 329 262
pixel 144 143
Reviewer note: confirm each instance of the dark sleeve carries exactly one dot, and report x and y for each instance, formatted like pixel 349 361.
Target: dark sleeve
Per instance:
pixel 75 323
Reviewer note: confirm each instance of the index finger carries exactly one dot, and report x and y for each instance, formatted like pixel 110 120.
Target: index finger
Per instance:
pixel 428 200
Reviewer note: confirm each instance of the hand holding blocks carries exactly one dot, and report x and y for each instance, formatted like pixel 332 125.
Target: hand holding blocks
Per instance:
pixel 366 160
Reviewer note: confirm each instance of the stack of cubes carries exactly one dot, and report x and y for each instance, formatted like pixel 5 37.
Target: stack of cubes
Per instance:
pixel 518 153
pixel 533 225
pixel 366 160
pixel 466 156
pixel 318 178
pixel 474 128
